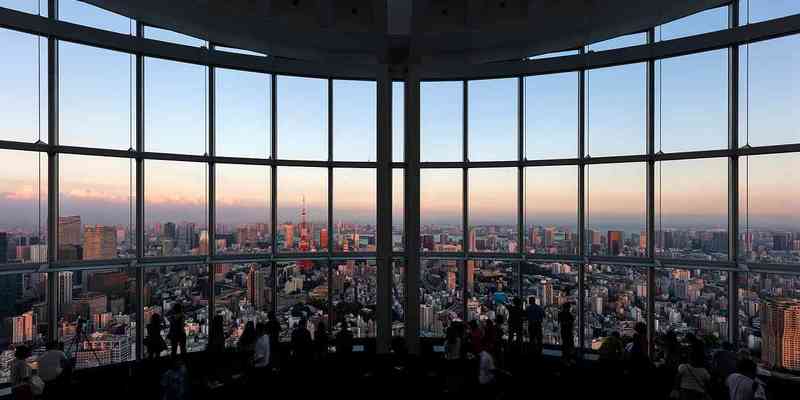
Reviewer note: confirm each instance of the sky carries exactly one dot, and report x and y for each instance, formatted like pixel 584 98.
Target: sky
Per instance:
pixel 95 110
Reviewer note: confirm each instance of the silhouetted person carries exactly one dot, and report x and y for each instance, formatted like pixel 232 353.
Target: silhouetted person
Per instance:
pixel 639 346
pixel 273 328
pixel 742 384
pixel 344 341
pixel 475 338
pixel 535 315
pixel 21 373
pixel 177 330
pixel 724 362
pixel 216 338
pixel 612 349
pixel 155 343
pixel 321 341
pixel 515 316
pixel 693 380
pixel 672 351
pixel 489 342
pixel 566 322
pixel 696 346
pixel 247 342
pixel 302 345
pixel 53 365
pixel 261 358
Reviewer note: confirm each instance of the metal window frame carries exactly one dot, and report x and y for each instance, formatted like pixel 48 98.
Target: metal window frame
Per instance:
pixel 55 30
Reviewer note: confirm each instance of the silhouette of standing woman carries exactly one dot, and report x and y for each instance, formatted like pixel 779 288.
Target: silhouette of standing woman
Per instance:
pixel 177 333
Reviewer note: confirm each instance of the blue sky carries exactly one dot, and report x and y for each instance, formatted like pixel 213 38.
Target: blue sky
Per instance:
pixel 691 115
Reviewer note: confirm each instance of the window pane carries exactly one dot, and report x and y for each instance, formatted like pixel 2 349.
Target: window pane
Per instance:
pixel 302 209
pixel 244 295
pixel 175 107
pixel 550 285
pixel 554 54
pixel 441 210
pixel 92 81
pixel 493 210
pixel 768 308
pixel 239 51
pixel 23 77
pixel 23 206
pixel 551 116
pixel 172 37
pixel 491 287
pixel 769 218
pixel 615 209
pixel 187 285
pixel 633 39
pixel 769 93
pixel 23 309
pixel 691 209
pixel 302 118
pixel 398 121
pixel 398 209
pixel 302 293
pixel 616 300
pixel 243 209
pixel 354 288
pixel 703 22
pixel 692 301
pixel 762 10
pixel 493 120
pixel 551 210
pixel 398 298
pixel 692 102
pixel 85 14
pixel 441 121
pixel 28 6
pixel 615 114
pixel 97 316
pixel 175 208
pixel 441 296
pixel 354 120
pixel 354 209
pixel 97 220
pixel 243 114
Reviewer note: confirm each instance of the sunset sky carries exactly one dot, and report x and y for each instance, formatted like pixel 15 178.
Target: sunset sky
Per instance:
pixel 691 106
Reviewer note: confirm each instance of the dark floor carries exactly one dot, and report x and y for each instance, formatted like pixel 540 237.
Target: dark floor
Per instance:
pixel 370 377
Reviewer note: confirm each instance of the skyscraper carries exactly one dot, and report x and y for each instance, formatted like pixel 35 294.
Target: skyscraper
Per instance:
pixel 64 295
pixel 780 333
pixel 3 247
pixel 169 231
pixel 323 238
pixel 69 230
pixel 100 242
pixel 256 283
pixel 288 235
pixel 614 242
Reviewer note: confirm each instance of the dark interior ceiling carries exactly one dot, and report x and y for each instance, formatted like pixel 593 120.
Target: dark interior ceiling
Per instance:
pixel 405 31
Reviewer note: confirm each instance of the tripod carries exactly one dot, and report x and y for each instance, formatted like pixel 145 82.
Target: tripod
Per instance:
pixel 79 338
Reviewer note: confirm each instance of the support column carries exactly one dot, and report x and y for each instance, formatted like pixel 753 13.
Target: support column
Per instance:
pixel 140 239
pixel 733 177
pixel 581 207
pixel 651 196
pixel 212 190
pixel 52 176
pixel 384 202
pixel 411 210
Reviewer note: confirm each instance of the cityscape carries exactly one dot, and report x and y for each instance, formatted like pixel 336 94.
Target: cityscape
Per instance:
pixel 97 307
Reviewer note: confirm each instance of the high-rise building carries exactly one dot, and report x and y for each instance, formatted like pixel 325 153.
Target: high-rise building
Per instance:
pixel 169 231
pixel 256 284
pixel 472 240
pixel 614 242
pixel 549 236
pixel 780 333
pixel 288 235
pixel 642 240
pixel 69 230
pixel 99 242
pixel 323 238
pixel 3 247
pixel 470 274
pixel 38 253
pixel 64 296
pixel 780 242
